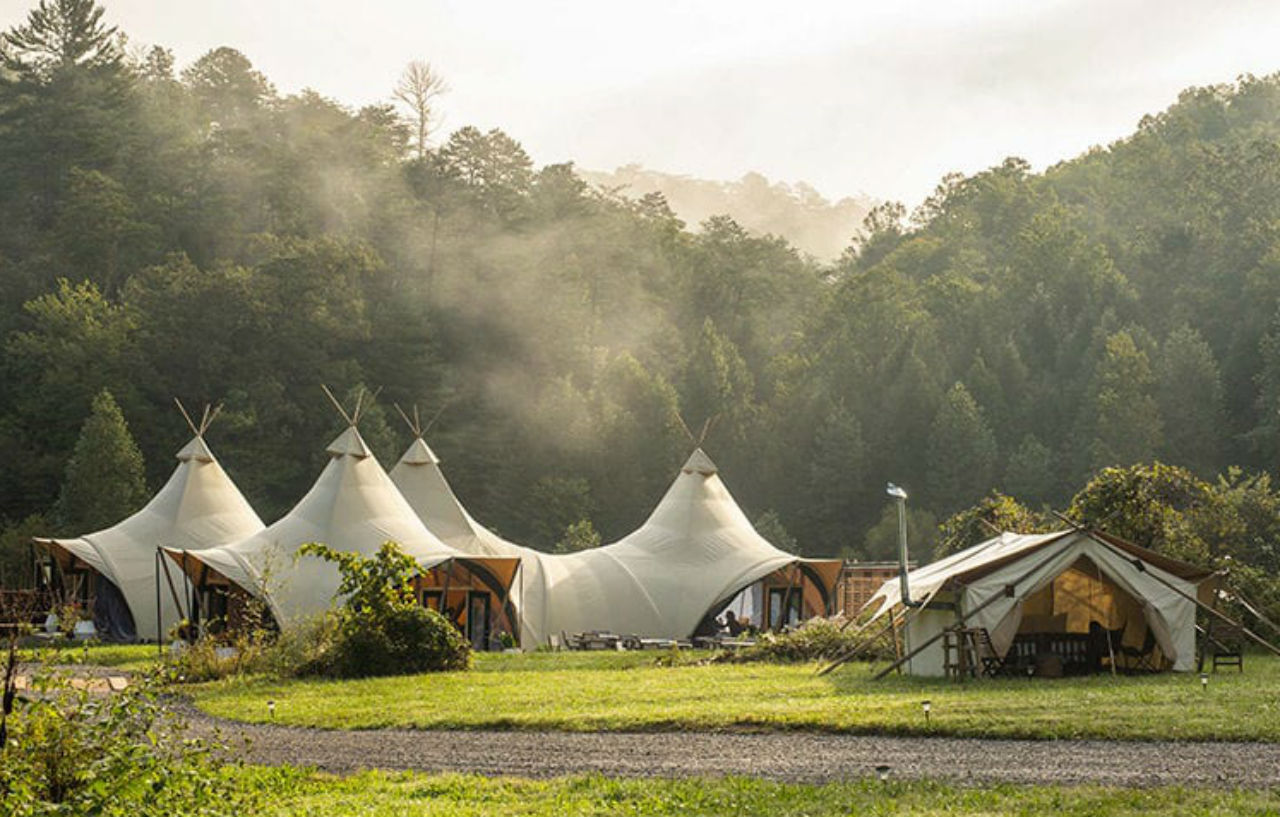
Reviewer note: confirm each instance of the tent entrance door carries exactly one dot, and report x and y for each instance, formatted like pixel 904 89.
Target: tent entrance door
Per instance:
pixel 784 607
pixel 478 620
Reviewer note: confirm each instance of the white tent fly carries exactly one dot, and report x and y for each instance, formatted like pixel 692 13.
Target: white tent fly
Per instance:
pixel 1074 592
pixel 198 508
pixel 353 507
pixel 423 484
pixel 697 551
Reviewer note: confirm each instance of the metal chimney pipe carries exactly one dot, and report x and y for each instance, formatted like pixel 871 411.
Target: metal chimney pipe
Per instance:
pixel 900 496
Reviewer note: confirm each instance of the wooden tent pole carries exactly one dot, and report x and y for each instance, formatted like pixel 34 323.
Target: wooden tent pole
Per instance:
pixel 1010 591
pixel 159 635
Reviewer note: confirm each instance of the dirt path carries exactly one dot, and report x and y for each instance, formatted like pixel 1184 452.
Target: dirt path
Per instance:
pixel 797 757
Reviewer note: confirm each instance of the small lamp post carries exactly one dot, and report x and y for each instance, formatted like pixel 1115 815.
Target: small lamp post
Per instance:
pixel 926 706
pixel 271 709
pixel 1204 682
pixel 882 772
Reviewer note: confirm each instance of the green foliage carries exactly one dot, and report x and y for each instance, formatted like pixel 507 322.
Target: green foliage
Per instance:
pixel 104 481
pixel 16 557
pixel 962 451
pixel 770 526
pixel 1125 417
pixel 74 752
pixel 382 630
pixel 991 516
pixel 816 639
pixel 580 535
pixel 1160 507
pixel 881 543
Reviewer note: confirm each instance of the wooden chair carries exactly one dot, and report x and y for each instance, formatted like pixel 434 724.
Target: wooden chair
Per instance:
pixel 1226 647
pixel 993 664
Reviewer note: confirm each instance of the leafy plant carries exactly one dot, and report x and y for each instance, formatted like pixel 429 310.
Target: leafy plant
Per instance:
pixel 381 628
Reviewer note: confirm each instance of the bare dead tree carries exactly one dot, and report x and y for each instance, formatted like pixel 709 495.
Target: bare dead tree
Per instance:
pixel 418 89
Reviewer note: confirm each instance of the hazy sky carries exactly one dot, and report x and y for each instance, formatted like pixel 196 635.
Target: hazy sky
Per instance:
pixel 850 96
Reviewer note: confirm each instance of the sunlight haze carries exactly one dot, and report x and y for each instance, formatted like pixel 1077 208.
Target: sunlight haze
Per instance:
pixel 849 97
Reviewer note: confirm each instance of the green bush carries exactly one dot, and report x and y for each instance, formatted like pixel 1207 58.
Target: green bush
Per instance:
pixel 73 752
pixel 380 628
pixel 817 639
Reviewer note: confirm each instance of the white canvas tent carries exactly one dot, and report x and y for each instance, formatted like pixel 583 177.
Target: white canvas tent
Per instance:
pixel 695 553
pixel 198 508
pixel 354 507
pixel 423 485
pixel 1055 583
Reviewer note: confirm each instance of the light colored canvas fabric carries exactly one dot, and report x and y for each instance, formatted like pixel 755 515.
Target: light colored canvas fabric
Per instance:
pixel 1034 562
pixel 353 506
pixel 198 508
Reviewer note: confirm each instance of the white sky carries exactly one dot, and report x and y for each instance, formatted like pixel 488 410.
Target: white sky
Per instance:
pixel 850 96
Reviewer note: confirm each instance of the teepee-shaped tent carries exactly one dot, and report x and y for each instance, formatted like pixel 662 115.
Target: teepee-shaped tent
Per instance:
pixel 697 551
pixel 198 508
pixel 354 507
pixel 423 485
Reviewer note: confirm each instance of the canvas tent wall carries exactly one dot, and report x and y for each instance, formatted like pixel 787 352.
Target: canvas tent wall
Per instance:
pixel 695 553
pixel 353 506
pixel 1066 579
pixel 698 550
pixel 198 508
pixel 422 483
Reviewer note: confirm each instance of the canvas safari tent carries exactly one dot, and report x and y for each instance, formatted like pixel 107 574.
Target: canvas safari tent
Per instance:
pixel 1088 599
pixel 115 569
pixel 354 507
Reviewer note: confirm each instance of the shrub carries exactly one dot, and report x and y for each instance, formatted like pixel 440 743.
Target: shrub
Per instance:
pixel 72 752
pixel 380 628
pixel 816 639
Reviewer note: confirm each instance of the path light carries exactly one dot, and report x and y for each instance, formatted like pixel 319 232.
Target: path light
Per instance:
pixel 882 772
pixel 1204 681
pixel 1031 670
pixel 926 706
pixel 271 708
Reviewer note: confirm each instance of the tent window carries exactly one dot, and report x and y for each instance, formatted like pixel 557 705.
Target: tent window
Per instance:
pixel 784 607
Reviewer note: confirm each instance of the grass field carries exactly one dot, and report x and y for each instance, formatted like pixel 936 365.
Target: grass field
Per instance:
pixel 375 794
pixel 628 691
pixel 125 657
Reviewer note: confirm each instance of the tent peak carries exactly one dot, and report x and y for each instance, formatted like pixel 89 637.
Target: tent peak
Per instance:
pixel 419 453
pixel 350 443
pixel 699 463
pixel 196 450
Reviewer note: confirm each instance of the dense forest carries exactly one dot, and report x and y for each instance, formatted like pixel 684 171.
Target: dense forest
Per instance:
pixel 189 231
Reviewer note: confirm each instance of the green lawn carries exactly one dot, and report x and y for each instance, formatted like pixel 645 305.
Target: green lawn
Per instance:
pixel 374 794
pixel 590 692
pixel 125 657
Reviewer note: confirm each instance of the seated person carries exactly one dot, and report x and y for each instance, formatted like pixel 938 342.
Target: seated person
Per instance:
pixel 735 625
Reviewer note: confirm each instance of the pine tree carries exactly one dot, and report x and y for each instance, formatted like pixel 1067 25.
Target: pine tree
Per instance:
pixel 1031 473
pixel 1190 394
pixel 837 472
pixel 962 453
pixel 1126 419
pixel 104 481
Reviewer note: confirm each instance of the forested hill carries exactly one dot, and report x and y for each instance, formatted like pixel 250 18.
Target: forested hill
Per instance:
pixel 797 212
pixel 186 230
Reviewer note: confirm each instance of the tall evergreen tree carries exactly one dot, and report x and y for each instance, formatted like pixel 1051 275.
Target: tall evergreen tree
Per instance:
pixel 837 473
pixel 1189 388
pixel 962 453
pixel 104 481
pixel 1124 414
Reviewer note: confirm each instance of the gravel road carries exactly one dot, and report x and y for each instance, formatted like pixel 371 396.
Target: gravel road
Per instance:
pixel 794 757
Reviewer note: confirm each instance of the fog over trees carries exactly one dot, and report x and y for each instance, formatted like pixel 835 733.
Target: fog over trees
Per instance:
pixel 189 231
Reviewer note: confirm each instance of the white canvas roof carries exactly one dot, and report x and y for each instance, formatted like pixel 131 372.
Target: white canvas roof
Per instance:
pixel 423 484
pixel 353 506
pixel 696 550
pixel 1031 562
pixel 198 508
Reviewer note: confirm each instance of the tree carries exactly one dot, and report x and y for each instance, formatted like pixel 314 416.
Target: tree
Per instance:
pixel 1157 506
pixel 1123 412
pixel 225 82
pixel 1031 471
pixel 835 482
pixel 994 513
pixel 60 35
pixel 580 535
pixel 1189 389
pixel 418 89
pixel 881 542
pixel 962 452
pixel 105 477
